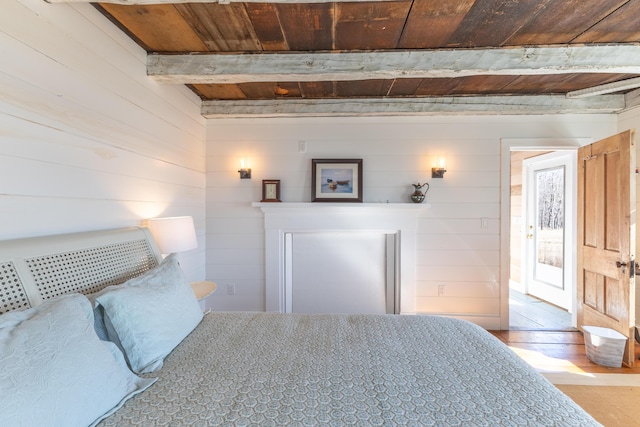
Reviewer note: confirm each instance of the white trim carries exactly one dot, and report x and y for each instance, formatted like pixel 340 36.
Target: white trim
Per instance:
pixel 283 218
pixel 590 379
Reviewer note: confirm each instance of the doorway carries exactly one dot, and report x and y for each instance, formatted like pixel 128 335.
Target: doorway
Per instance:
pixel 542 229
pixel 549 192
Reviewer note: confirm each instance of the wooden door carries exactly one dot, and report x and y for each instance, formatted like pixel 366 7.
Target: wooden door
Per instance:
pixel 606 246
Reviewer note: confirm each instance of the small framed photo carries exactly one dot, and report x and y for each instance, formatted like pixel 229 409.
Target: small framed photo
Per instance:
pixel 270 190
pixel 336 180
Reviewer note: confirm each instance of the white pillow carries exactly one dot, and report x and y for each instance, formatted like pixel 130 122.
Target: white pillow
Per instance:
pixel 55 371
pixel 148 316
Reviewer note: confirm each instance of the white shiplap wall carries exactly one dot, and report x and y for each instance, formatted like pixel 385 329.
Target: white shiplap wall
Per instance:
pixel 629 120
pixel 453 249
pixel 87 141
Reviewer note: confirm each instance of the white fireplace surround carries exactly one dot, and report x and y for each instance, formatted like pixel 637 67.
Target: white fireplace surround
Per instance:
pixel 281 219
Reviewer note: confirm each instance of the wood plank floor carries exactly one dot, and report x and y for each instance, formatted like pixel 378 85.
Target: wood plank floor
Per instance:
pixel 529 313
pixel 542 335
pixel 558 351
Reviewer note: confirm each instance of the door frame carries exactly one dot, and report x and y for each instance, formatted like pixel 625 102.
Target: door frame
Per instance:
pixel 507 145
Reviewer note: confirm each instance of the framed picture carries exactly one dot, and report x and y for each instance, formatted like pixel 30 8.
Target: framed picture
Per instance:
pixel 270 190
pixel 336 180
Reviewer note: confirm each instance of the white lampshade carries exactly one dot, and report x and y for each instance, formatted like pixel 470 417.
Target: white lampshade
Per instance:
pixel 175 234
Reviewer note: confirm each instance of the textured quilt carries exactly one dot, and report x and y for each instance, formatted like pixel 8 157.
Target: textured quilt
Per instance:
pixel 269 369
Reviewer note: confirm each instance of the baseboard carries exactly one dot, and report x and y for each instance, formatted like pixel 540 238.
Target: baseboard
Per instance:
pixel 491 323
pixel 584 378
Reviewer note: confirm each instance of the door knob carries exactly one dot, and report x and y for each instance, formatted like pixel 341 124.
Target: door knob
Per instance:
pixel 621 264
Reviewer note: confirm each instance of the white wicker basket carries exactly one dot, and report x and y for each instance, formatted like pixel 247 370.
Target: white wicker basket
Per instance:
pixel 604 346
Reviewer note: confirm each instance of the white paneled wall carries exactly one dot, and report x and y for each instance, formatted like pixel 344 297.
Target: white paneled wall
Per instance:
pixel 629 120
pixel 454 255
pixel 87 141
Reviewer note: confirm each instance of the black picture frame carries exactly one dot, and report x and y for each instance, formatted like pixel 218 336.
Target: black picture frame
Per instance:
pixel 336 180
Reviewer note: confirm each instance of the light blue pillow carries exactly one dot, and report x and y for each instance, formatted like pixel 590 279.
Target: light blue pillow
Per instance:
pixel 148 316
pixel 55 371
pixel 98 318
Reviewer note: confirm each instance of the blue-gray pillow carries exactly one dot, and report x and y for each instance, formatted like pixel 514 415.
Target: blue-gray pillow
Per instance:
pixel 55 371
pixel 148 316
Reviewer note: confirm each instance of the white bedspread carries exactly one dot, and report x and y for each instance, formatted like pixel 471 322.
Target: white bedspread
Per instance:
pixel 285 369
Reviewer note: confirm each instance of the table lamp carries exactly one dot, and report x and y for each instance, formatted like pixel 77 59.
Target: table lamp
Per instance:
pixel 173 234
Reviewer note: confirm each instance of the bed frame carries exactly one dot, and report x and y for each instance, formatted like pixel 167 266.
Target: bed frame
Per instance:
pixel 34 270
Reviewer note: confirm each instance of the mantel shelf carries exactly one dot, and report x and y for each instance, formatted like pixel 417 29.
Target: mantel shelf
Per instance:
pixel 339 206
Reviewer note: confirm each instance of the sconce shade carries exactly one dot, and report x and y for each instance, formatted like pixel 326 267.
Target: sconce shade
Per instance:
pixel 174 234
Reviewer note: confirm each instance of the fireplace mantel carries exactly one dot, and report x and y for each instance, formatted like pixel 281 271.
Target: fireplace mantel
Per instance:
pixel 283 218
pixel 340 207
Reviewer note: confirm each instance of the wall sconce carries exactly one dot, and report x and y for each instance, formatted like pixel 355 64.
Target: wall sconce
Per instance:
pixel 245 173
pixel 174 234
pixel 438 172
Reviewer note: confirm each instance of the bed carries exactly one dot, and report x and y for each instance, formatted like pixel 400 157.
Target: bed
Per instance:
pixel 235 368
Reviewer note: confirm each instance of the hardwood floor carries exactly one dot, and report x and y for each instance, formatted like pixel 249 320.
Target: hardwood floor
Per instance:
pixel 542 335
pixel 558 351
pixel 529 313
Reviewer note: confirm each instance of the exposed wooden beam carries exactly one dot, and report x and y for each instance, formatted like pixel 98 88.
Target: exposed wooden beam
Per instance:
pixel 223 68
pixel 618 86
pixel 546 104
pixel 632 99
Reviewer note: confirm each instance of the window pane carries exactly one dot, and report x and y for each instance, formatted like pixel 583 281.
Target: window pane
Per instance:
pixel 549 236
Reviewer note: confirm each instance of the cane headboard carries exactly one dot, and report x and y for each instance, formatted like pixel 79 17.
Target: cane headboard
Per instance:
pixel 36 269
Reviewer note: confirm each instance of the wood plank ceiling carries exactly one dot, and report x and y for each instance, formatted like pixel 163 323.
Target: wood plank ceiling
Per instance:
pixel 463 26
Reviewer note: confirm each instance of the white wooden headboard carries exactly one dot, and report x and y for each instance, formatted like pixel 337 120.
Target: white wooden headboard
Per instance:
pixel 36 269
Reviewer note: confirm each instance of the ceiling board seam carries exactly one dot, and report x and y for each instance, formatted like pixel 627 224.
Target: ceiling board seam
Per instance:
pixel 404 25
pixel 599 21
pixel 393 82
pixel 284 34
pixel 334 19
pixel 122 27
pixel 506 40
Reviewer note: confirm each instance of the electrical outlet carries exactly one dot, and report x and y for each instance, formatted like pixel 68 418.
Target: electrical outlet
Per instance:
pixel 231 289
pixel 441 290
